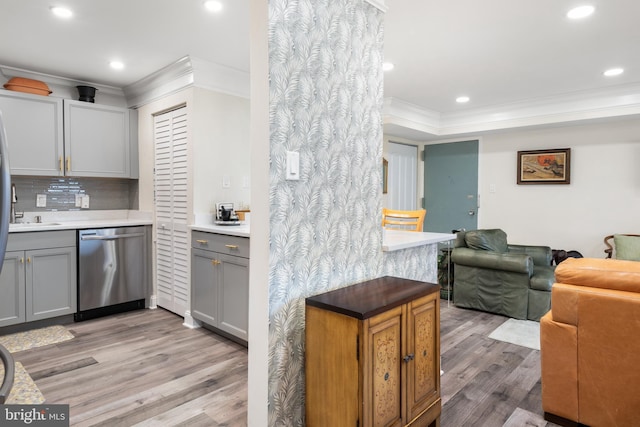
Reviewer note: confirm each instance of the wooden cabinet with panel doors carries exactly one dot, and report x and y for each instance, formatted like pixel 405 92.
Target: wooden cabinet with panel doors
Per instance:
pixel 373 355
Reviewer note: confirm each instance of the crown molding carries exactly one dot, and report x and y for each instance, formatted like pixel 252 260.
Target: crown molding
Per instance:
pixel 401 113
pixel 220 78
pixel 380 4
pixel 166 81
pixel 187 72
pixel 615 101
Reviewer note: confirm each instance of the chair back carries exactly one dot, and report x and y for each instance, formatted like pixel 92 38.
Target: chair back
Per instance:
pixel 403 220
pixel 609 250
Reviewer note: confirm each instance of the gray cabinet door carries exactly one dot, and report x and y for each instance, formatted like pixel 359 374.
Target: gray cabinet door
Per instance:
pixel 12 278
pixel 233 310
pixel 50 282
pixel 97 140
pixel 204 286
pixel 34 132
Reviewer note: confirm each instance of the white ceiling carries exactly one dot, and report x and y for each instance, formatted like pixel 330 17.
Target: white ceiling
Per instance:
pixel 497 52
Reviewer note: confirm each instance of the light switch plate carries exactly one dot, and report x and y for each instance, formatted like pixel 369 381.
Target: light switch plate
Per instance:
pixel 293 166
pixel 41 201
pixel 226 181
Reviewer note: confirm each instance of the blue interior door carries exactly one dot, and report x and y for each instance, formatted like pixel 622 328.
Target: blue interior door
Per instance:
pixel 451 186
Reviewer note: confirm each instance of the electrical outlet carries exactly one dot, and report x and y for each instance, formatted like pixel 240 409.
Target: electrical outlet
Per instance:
pixel 85 202
pixel 78 200
pixel 41 201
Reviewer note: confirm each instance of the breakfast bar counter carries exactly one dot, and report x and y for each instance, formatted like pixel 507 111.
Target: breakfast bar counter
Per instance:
pixel 412 255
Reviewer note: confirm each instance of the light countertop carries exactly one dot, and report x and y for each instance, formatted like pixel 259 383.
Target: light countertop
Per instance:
pixel 241 230
pixel 393 240
pixel 79 220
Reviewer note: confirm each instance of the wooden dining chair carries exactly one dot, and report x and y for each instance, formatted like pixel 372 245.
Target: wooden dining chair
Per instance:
pixel 403 220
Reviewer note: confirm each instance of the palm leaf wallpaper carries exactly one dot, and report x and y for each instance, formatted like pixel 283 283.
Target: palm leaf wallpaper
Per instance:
pixel 326 94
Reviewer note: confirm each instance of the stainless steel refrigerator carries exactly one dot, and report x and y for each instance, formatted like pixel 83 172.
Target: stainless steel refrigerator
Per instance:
pixel 5 208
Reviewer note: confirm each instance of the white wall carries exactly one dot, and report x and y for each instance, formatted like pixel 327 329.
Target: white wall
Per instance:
pixel 603 197
pixel 221 147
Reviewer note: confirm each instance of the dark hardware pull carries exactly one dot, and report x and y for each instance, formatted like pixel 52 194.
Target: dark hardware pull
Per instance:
pixel 409 357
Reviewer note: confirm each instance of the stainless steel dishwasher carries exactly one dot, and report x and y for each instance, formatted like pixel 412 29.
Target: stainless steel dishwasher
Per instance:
pixel 112 271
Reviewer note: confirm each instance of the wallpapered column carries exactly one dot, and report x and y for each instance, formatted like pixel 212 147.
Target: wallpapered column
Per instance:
pixel 325 60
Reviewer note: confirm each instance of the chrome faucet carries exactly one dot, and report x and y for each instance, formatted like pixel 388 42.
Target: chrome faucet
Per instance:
pixel 14 200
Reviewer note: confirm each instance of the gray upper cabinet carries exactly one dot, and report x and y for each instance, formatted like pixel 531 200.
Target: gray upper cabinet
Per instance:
pixel 34 131
pixel 49 136
pixel 97 140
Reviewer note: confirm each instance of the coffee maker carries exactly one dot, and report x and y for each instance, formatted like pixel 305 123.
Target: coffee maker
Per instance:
pixel 226 214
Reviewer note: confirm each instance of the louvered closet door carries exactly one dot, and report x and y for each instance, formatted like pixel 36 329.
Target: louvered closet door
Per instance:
pixel 172 247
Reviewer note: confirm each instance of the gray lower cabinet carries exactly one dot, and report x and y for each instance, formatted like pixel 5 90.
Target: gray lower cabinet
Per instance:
pixel 38 277
pixel 220 282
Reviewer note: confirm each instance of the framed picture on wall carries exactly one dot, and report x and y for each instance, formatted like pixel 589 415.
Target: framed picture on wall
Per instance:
pixel 544 166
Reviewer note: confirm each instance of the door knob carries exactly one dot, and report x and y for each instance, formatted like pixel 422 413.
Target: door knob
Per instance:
pixel 472 213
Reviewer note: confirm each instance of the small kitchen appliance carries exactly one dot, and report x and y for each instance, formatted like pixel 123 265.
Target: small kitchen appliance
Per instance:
pixel 226 214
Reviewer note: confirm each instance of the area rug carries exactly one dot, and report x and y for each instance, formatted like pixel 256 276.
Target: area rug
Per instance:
pixel 24 390
pixel 36 338
pixel 525 333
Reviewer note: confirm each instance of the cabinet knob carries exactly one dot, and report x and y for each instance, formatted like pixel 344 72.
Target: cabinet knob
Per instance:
pixel 21 260
pixel 409 357
pixel 231 246
pixel 28 259
pixel 215 262
pixel 68 163
pixel 61 165
pixel 202 242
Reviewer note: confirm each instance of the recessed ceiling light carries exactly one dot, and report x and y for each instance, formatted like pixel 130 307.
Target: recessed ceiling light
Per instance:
pixel 462 99
pixel 213 6
pixel 613 72
pixel 116 65
pixel 387 66
pixel 61 12
pixel 580 12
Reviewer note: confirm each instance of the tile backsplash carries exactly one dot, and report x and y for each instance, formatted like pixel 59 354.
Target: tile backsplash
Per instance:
pixel 104 193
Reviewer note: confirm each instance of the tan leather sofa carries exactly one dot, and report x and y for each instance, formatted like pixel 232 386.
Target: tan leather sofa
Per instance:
pixel 590 344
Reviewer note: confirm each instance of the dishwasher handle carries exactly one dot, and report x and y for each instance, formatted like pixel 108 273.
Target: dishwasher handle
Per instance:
pixel 115 237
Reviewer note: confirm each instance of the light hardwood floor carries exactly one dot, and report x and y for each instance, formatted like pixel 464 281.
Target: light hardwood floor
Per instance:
pixel 145 368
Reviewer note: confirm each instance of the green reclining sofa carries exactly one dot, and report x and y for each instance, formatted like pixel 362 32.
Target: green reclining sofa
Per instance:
pixel 494 276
